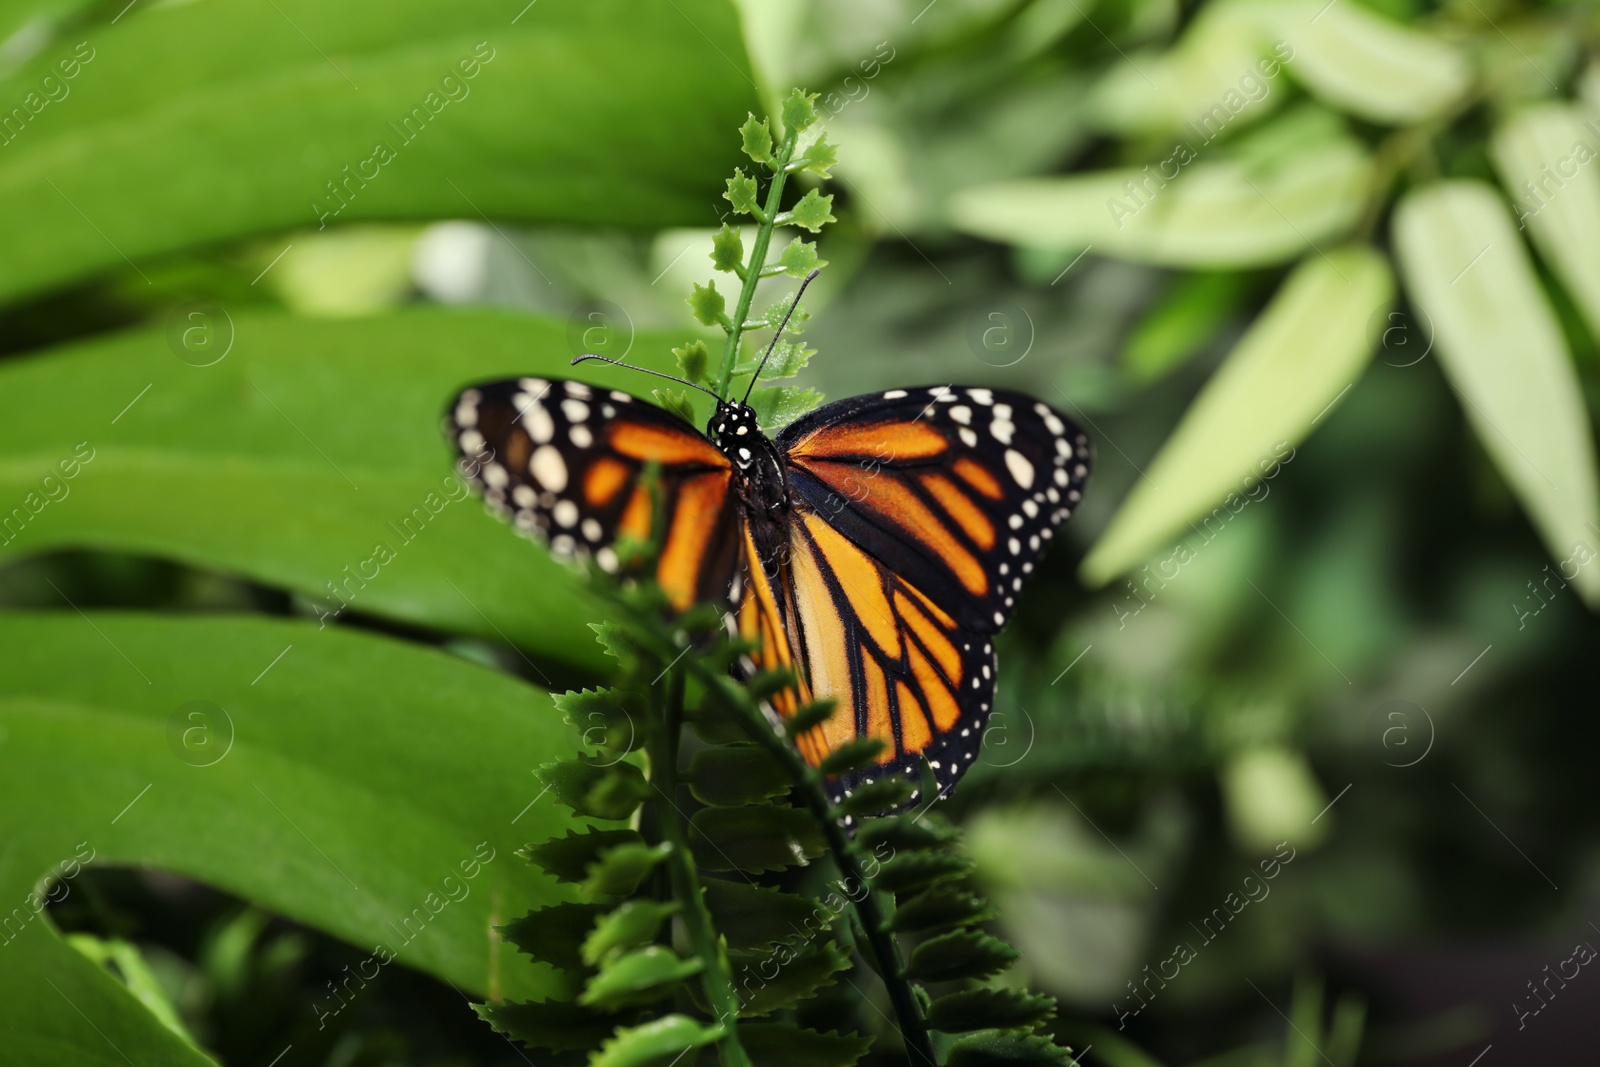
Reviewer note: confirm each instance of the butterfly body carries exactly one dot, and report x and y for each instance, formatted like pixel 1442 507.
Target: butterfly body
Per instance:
pixel 763 487
pixel 873 547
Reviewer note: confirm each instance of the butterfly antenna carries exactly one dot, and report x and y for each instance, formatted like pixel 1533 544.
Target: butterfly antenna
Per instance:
pixel 760 366
pixel 646 370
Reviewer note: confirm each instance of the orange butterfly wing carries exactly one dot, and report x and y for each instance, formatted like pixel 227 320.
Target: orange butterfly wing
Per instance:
pixel 918 515
pixel 562 460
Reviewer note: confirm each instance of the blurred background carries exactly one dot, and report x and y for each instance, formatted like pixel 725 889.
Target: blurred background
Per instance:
pixel 1292 762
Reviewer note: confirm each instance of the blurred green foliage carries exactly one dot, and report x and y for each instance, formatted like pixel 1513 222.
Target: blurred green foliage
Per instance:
pixel 1318 278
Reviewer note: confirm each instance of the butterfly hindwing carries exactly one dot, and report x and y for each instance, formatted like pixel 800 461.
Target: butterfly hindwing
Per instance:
pixel 918 514
pixel 900 667
pixel 562 460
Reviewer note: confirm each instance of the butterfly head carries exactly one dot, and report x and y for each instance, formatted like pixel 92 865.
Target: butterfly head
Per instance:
pixel 737 433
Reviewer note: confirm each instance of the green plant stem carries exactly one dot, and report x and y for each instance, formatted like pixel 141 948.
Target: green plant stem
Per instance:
pixel 886 956
pixel 880 942
pixel 758 261
pixel 715 980
pixel 869 908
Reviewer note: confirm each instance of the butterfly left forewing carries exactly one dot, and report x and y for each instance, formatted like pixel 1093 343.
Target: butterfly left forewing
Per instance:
pixel 563 461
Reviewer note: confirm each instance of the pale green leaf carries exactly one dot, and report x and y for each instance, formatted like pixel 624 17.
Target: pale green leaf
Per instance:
pixel 1545 155
pixel 1299 356
pixel 1222 75
pixel 1225 213
pixel 1373 67
pixel 1272 796
pixel 1466 269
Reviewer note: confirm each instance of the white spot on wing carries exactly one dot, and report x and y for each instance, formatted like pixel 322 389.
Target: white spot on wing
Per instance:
pixel 548 468
pixel 540 426
pixel 1020 468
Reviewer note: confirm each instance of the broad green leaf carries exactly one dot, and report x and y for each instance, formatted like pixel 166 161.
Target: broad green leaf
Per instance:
pixel 1297 359
pixel 303 459
pixel 1371 66
pixel 1500 345
pixel 388 784
pixel 959 954
pixel 1181 212
pixel 136 974
pixel 197 123
pixel 782 1045
pixel 1545 155
pixel 654 1042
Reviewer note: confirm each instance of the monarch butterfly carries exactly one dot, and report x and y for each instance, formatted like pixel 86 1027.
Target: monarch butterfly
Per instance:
pixel 874 547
